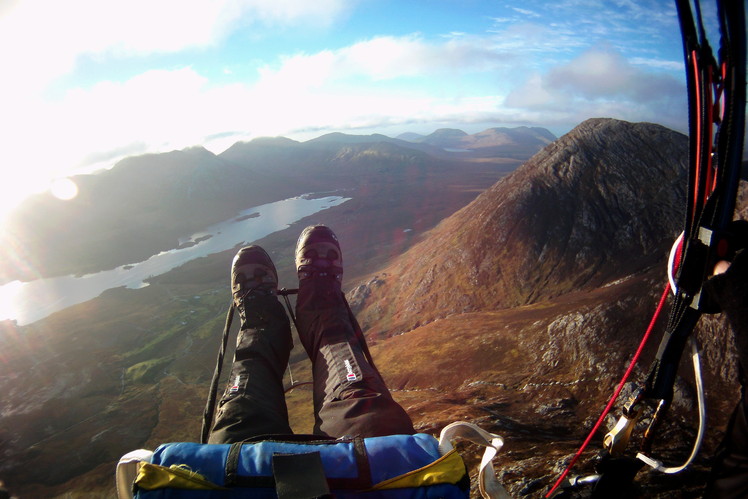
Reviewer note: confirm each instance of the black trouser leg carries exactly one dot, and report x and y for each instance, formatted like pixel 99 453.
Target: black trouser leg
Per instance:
pixel 350 396
pixel 254 402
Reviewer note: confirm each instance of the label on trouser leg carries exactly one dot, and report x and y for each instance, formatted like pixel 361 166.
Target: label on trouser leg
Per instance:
pixel 342 366
pixel 237 385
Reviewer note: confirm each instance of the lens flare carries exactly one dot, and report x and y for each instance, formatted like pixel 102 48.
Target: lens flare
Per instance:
pixel 64 189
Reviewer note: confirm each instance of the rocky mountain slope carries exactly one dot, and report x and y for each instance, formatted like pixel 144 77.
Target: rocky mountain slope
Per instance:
pixel 571 218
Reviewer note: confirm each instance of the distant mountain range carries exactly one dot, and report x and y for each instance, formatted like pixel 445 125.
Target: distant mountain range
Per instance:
pixel 145 203
pixel 515 305
pixel 517 140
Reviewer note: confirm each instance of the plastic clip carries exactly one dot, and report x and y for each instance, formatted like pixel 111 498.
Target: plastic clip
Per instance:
pixel 617 439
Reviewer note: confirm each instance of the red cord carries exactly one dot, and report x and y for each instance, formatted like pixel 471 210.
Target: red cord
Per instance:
pixel 612 401
pixel 697 162
pixel 711 178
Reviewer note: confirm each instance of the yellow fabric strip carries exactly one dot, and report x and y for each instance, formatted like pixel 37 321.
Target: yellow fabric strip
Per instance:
pixel 153 476
pixel 447 469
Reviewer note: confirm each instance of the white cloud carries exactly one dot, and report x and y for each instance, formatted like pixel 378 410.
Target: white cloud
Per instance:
pixel 156 103
pixel 320 12
pixel 658 63
pixel 525 12
pixel 40 40
pixel 565 26
pixel 384 58
pixel 602 83
pixel 606 74
pixel 167 109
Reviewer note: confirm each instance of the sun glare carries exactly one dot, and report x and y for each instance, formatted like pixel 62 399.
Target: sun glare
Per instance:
pixel 64 189
pixel 8 299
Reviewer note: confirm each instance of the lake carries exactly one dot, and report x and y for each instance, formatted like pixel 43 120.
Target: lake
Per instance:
pixel 26 302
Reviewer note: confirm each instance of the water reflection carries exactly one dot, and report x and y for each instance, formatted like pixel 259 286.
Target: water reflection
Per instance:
pixel 31 301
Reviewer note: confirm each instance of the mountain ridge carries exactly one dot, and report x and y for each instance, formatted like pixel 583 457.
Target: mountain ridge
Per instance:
pixel 144 204
pixel 510 140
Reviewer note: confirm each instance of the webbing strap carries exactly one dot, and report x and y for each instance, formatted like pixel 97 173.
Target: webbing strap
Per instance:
pixel 362 481
pixel 232 464
pixel 489 486
pixel 300 476
pixel 362 462
pixel 210 405
pixel 658 465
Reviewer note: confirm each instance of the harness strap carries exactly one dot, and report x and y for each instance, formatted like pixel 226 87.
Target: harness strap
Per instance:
pixel 210 405
pixel 658 465
pixel 232 464
pixel 489 486
pixel 300 476
pixel 290 465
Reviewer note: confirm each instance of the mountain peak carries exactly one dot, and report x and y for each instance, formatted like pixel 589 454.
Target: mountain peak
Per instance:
pixel 444 137
pixel 344 138
pixel 513 141
pixel 598 204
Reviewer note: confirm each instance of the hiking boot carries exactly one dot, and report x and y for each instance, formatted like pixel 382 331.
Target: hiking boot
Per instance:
pixel 252 275
pixel 318 254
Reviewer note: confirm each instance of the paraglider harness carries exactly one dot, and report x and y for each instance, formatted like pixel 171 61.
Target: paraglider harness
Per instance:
pixel 716 103
pixel 309 466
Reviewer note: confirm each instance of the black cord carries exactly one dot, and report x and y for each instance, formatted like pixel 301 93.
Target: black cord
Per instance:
pixel 210 405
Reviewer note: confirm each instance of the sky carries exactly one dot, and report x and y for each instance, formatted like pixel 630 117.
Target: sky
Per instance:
pixel 88 82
